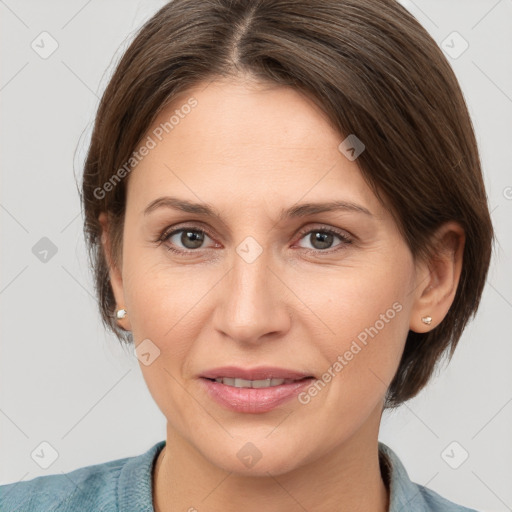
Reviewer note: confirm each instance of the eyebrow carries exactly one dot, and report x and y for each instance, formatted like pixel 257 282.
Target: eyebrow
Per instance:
pixel 300 210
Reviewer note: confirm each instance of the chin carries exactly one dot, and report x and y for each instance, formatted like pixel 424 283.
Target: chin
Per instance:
pixel 257 457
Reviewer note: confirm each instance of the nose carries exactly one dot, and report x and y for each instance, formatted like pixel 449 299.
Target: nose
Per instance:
pixel 252 304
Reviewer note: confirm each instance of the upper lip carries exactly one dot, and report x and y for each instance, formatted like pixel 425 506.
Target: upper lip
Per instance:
pixel 259 373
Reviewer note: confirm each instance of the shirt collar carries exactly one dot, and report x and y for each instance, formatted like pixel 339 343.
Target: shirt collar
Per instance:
pixel 404 495
pixel 134 486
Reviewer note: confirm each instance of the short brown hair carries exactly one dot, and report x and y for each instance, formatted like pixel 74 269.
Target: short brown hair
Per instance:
pixel 375 72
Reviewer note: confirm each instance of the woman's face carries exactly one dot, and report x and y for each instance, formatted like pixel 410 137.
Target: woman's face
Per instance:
pixel 264 282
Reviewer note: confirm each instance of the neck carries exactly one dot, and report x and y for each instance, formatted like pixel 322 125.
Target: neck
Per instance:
pixel 347 478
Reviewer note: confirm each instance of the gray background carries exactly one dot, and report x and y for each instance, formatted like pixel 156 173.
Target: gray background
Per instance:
pixel 65 382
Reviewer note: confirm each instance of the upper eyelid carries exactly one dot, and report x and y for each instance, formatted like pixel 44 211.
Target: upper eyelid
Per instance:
pixel 172 231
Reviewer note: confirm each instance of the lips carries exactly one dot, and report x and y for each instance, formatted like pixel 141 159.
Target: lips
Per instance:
pixel 253 390
pixel 253 400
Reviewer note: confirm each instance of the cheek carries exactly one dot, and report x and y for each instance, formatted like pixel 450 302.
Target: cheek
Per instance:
pixel 363 312
pixel 358 299
pixel 166 300
pixel 359 360
pixel 165 304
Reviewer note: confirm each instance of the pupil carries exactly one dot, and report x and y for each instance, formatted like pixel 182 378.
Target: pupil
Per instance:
pixel 325 240
pixel 195 240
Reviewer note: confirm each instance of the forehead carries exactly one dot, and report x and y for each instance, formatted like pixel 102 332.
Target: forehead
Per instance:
pixel 255 140
pixel 235 115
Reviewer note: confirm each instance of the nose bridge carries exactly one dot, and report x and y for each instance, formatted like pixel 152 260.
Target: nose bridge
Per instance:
pixel 250 305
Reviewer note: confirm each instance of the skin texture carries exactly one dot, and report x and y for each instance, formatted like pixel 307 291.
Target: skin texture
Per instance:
pixel 249 151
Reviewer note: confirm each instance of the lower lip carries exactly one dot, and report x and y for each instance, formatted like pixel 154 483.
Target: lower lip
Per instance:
pixel 253 400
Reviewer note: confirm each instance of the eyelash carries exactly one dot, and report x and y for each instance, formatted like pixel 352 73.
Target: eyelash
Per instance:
pixel 345 240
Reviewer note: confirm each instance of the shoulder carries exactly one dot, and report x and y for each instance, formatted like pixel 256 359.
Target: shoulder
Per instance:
pixel 92 485
pixel 408 495
pixel 436 503
pixel 99 487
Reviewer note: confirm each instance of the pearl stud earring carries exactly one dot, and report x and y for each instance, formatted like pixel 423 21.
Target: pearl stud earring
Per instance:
pixel 121 313
pixel 426 320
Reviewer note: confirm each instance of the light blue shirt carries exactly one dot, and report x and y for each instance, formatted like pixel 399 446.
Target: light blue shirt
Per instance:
pixel 125 485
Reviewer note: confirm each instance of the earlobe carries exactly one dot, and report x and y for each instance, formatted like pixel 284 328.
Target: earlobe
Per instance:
pixel 438 279
pixel 115 274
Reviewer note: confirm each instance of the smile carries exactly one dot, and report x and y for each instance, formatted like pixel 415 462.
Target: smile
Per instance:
pixel 244 383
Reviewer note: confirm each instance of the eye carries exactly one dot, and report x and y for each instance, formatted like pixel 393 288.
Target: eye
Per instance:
pixel 322 239
pixel 186 239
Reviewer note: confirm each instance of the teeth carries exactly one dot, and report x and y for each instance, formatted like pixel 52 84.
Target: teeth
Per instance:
pixel 243 383
pixel 263 383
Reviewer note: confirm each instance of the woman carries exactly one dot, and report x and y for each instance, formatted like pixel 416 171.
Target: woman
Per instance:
pixel 287 219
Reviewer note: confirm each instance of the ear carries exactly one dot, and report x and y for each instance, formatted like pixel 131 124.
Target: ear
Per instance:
pixel 437 279
pixel 115 272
